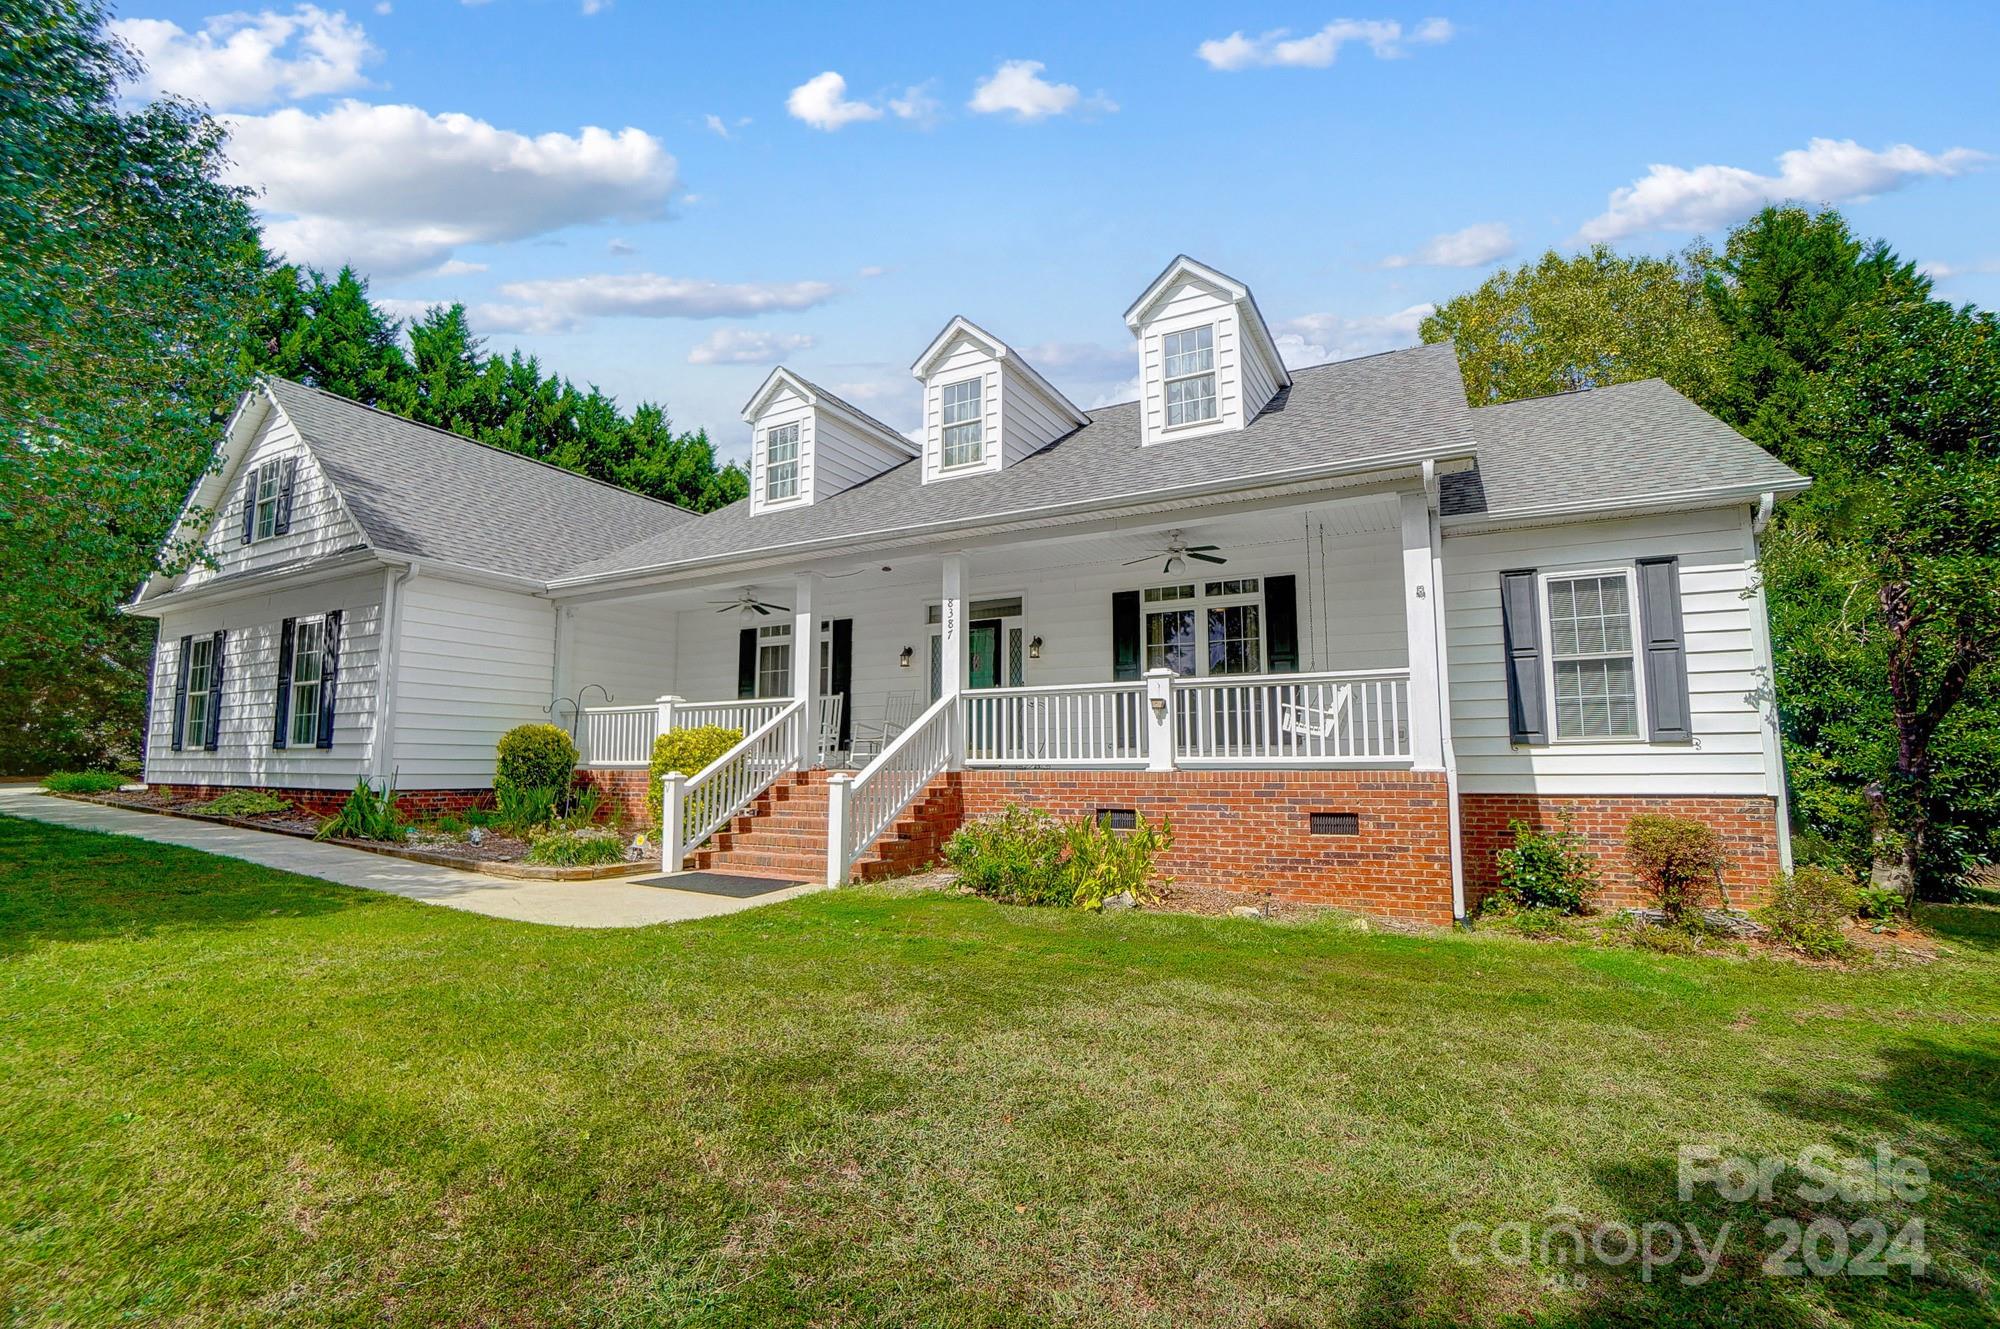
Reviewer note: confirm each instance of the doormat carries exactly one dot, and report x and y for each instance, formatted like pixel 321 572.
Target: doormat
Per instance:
pixel 719 883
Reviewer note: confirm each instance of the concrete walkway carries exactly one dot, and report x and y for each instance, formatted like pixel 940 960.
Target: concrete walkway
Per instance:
pixel 578 904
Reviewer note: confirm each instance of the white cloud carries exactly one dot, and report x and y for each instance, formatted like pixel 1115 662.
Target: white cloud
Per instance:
pixel 745 346
pixel 595 6
pixel 396 189
pixel 1017 88
pixel 1278 48
pixel 1946 271
pixel 716 126
pixel 917 104
pixel 650 295
pixel 1077 366
pixel 458 267
pixel 618 247
pixel 384 7
pixel 1480 243
pixel 1826 170
pixel 872 270
pixel 821 101
pixel 1312 339
pixel 242 60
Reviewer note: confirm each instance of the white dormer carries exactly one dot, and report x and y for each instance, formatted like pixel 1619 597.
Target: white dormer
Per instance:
pixel 1206 359
pixel 807 444
pixel 984 406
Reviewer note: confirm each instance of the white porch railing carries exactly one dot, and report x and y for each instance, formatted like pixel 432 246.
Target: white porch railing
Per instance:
pixel 619 735
pixel 861 807
pixel 1353 718
pixel 1093 724
pixel 695 808
pixel 744 713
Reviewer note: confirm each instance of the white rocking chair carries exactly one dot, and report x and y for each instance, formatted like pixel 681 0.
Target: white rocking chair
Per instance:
pixel 829 728
pixel 1304 720
pixel 898 714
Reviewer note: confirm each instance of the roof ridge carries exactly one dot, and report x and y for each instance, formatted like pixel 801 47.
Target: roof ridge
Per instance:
pixel 480 443
pixel 1578 392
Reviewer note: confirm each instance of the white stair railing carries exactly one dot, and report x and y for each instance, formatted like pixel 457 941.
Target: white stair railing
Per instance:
pixel 692 809
pixel 861 807
pixel 1090 724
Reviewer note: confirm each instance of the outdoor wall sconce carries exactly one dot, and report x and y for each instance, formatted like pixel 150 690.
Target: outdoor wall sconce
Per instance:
pixel 1035 649
pixel 903 660
pixel 1158 701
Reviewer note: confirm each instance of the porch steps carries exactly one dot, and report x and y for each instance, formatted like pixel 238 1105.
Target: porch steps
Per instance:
pixel 782 834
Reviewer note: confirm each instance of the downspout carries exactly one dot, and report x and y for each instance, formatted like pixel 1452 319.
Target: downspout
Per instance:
pixel 1453 821
pixel 385 698
pixel 1766 502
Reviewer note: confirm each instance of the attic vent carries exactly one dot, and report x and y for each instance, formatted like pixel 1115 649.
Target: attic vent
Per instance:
pixel 1118 819
pixel 1336 823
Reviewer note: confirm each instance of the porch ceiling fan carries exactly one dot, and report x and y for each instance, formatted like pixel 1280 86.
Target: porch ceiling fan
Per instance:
pixel 747 605
pixel 1177 552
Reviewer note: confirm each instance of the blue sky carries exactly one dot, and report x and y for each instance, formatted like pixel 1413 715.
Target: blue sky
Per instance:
pixel 667 199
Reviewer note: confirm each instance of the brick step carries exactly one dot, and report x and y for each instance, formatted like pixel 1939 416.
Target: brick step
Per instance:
pixel 769 865
pixel 763 837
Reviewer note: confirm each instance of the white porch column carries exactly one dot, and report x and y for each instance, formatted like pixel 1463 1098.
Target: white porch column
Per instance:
pixel 663 714
pixel 1159 719
pixel 1420 619
pixel 805 666
pixel 952 650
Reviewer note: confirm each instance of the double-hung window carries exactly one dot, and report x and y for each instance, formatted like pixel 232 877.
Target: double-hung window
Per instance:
pixel 308 670
pixel 1170 624
pixel 1592 660
pixel 1190 371
pixel 964 444
pixel 781 462
pixel 774 661
pixel 265 496
pixel 1206 628
pixel 200 682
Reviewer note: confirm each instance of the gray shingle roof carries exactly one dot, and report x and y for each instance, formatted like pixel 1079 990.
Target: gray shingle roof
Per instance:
pixel 425 492
pixel 1399 404
pixel 1635 442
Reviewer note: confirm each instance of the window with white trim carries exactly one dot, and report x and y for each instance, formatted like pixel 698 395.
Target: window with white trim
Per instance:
pixel 266 499
pixel 200 680
pixel 1592 660
pixel 781 462
pixel 308 669
pixel 964 441
pixel 1190 373
pixel 1206 628
pixel 774 661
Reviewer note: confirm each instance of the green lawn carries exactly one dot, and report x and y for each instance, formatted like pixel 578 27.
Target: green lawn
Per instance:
pixel 233 1096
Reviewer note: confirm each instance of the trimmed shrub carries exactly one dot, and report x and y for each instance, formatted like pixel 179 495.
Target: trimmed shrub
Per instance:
pixel 577 848
pixel 366 815
pixel 83 782
pixel 1547 869
pixel 689 751
pixel 1025 856
pixel 1681 862
pixel 535 756
pixel 243 803
pixel 1809 910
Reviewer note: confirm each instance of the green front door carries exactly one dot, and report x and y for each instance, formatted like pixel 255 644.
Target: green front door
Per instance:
pixel 983 647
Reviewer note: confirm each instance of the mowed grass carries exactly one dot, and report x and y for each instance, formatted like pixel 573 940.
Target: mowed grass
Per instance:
pixel 234 1096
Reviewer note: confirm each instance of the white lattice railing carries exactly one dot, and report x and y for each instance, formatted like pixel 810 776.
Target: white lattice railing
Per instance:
pixel 1292 719
pixel 1094 724
pixel 694 808
pixel 861 808
pixel 619 735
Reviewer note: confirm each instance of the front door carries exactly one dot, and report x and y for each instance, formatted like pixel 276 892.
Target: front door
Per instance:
pixel 983 654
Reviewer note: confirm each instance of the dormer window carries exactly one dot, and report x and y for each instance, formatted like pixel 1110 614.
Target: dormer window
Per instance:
pixel 781 463
pixel 1190 375
pixel 963 443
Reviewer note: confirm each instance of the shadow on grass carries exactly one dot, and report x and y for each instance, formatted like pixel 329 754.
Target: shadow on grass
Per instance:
pixel 70 885
pixel 1975 926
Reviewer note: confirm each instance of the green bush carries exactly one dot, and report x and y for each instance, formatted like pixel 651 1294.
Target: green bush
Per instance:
pixel 521 810
pixel 1877 903
pixel 535 756
pixel 366 815
pixel 1546 869
pixel 1809 910
pixel 1539 921
pixel 1025 856
pixel 243 803
pixel 1679 860
pixel 577 848
pixel 83 782
pixel 689 751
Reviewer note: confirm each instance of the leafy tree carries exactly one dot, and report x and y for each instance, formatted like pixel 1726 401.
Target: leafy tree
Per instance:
pixel 1586 321
pixel 125 274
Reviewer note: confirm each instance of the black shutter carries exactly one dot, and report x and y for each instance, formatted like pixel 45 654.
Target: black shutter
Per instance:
pixel 746 663
pixel 1281 622
pixel 329 676
pixel 282 723
pixel 181 693
pixel 842 672
pixel 250 505
pixel 1521 637
pixel 1668 719
pixel 286 477
pixel 1125 653
pixel 213 738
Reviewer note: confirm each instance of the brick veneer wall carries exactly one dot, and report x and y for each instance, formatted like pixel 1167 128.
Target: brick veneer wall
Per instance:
pixel 326 802
pixel 1749 828
pixel 624 793
pixel 1248 831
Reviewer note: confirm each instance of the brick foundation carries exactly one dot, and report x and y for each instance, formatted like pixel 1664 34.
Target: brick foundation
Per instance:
pixel 1249 831
pixel 1749 828
pixel 624 794
pixel 326 802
